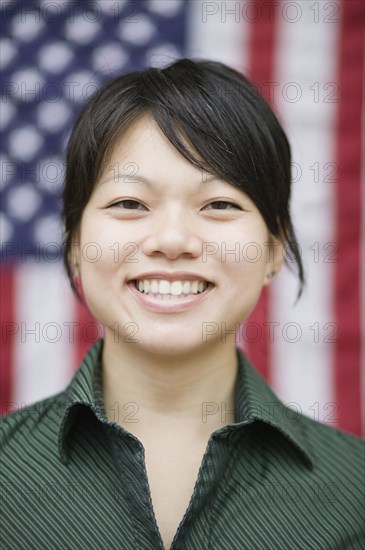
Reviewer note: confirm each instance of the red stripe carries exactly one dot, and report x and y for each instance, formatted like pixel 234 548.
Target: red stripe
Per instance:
pixel 86 332
pixel 348 216
pixel 8 329
pixel 260 71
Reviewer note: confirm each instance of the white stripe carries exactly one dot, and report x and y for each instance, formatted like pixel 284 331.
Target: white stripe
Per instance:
pixel 217 31
pixel 302 371
pixel 43 355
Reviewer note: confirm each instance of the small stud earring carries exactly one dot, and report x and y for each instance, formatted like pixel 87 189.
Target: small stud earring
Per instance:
pixel 271 274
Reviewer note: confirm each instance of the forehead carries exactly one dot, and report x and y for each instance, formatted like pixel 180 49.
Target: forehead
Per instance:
pixel 143 147
pixel 141 134
pixel 142 154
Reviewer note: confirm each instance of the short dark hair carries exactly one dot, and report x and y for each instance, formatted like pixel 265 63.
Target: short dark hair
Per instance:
pixel 231 131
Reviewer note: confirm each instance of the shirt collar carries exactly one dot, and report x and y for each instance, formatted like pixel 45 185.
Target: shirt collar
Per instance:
pixel 84 390
pixel 255 401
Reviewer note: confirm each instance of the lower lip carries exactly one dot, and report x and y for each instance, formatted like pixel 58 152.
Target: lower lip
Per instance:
pixel 172 305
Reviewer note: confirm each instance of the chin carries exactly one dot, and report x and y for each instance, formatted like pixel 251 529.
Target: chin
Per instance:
pixel 168 346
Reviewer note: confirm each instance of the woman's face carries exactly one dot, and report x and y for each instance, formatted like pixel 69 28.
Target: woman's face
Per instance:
pixel 163 214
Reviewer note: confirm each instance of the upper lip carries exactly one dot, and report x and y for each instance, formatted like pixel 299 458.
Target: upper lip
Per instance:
pixel 175 276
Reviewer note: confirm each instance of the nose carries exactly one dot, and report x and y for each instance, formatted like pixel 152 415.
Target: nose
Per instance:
pixel 173 234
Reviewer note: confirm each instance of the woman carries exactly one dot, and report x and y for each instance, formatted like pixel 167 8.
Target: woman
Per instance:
pixel 167 437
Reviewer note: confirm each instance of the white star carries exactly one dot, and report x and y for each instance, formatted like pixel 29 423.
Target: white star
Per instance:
pixel 166 8
pixel 7 51
pixel 138 30
pixel 48 232
pixel 81 30
pixel 53 116
pixel 109 58
pixel 55 57
pixel 51 174
pixel 162 55
pixel 26 25
pixel 24 143
pixel 23 201
pixel 80 86
pixel 27 84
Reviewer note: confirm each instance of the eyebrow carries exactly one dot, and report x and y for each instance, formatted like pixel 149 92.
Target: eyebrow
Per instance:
pixel 145 181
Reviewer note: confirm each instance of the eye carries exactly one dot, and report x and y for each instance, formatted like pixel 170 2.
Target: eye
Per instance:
pixel 221 205
pixel 128 204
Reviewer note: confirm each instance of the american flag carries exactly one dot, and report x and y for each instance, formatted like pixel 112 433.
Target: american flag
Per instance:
pixel 307 58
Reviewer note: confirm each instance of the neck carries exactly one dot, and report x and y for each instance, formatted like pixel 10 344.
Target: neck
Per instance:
pixel 193 391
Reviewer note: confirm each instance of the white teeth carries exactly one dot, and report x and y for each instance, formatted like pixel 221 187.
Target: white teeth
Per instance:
pixel 194 287
pixel 164 287
pixel 175 288
pixel 186 287
pixel 153 287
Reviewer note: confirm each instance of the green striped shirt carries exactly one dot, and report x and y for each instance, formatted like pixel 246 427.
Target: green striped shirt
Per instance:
pixel 273 479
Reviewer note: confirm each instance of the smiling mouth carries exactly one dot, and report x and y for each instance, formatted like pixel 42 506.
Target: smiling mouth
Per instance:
pixel 165 291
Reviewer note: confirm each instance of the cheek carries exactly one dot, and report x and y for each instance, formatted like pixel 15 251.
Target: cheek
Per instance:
pixel 247 274
pixel 245 250
pixel 104 247
pixel 253 257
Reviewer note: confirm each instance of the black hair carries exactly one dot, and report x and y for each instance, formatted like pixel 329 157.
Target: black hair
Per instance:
pixel 213 115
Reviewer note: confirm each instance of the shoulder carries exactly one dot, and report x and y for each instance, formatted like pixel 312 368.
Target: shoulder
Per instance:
pixel 337 453
pixel 23 424
pixel 324 436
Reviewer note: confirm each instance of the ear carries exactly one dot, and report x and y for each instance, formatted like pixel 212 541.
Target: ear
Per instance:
pixel 75 252
pixel 275 258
